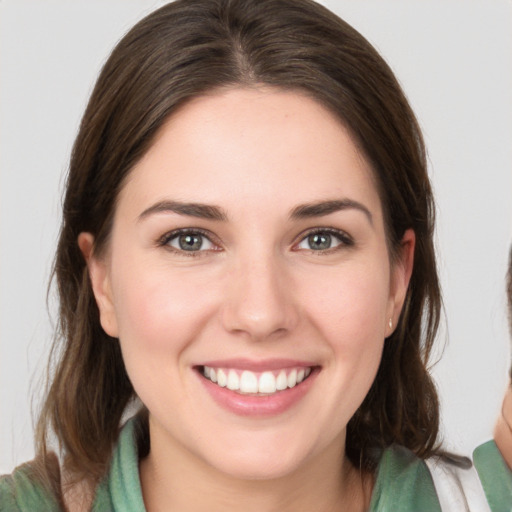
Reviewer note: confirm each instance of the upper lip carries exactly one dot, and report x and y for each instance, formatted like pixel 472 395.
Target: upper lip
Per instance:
pixel 258 365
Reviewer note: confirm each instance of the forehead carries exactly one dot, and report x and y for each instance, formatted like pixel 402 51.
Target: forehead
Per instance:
pixel 260 146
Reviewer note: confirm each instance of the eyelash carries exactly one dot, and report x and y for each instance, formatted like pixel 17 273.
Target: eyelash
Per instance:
pixel 164 241
pixel 343 238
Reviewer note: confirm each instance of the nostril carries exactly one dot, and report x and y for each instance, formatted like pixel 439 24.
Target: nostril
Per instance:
pixel 260 320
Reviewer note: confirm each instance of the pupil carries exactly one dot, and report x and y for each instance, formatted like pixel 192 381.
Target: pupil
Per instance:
pixel 190 242
pixel 320 241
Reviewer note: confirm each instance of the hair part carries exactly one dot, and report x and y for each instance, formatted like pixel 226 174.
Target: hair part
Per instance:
pixel 187 49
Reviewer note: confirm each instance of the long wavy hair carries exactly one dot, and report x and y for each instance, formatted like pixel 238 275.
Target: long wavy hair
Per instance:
pixel 184 50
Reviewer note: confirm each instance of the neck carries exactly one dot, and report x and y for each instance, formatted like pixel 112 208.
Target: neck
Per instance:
pixel 174 479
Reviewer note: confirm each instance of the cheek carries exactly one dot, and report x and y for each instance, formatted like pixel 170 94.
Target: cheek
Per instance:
pixel 157 311
pixel 350 315
pixel 351 307
pixel 347 313
pixel 159 316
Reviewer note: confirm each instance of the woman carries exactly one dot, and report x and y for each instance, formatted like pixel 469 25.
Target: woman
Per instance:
pixel 493 459
pixel 246 259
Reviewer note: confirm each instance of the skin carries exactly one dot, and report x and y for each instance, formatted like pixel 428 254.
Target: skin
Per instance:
pixel 258 291
pixel 503 428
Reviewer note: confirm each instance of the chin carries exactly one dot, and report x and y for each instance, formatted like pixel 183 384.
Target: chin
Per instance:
pixel 258 468
pixel 260 459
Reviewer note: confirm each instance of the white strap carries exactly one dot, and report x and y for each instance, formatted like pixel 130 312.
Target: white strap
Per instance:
pixel 458 489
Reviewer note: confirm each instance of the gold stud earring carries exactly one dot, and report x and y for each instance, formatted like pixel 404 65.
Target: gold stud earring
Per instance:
pixel 391 323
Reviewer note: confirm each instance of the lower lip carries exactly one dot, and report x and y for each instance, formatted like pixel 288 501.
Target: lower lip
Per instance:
pixel 251 405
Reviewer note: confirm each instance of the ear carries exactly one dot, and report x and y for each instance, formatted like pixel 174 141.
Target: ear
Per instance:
pixel 99 275
pixel 401 272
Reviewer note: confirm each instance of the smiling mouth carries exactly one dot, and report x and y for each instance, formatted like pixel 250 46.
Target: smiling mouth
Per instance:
pixel 265 383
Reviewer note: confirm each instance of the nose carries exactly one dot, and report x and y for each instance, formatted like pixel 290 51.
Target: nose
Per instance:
pixel 260 300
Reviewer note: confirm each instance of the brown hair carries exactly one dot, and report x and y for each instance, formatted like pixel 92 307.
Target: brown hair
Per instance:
pixel 183 50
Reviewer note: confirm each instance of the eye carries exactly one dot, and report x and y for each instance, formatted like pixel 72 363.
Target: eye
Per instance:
pixel 324 240
pixel 188 241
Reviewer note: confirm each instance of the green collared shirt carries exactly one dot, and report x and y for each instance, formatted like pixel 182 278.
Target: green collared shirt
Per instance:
pixel 403 484
pixel 495 475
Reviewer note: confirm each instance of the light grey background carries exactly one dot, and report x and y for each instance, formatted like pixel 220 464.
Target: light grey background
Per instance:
pixel 454 61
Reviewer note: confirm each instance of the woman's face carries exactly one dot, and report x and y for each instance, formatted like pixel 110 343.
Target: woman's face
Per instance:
pixel 248 248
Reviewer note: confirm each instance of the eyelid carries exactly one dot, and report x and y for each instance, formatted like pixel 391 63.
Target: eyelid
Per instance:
pixel 164 240
pixel 345 239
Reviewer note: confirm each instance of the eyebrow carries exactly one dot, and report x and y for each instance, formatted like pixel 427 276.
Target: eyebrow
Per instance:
pixel 211 212
pixel 322 208
pixel 199 210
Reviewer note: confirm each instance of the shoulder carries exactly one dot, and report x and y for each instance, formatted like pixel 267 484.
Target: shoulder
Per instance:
pixel 403 483
pixel 23 491
pixel 457 484
pixel 441 483
pixel 120 490
pixel 495 475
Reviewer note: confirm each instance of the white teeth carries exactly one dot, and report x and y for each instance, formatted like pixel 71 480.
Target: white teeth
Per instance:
pixel 222 379
pixel 248 382
pixel 292 378
pixel 265 383
pixel 281 381
pixel 233 381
